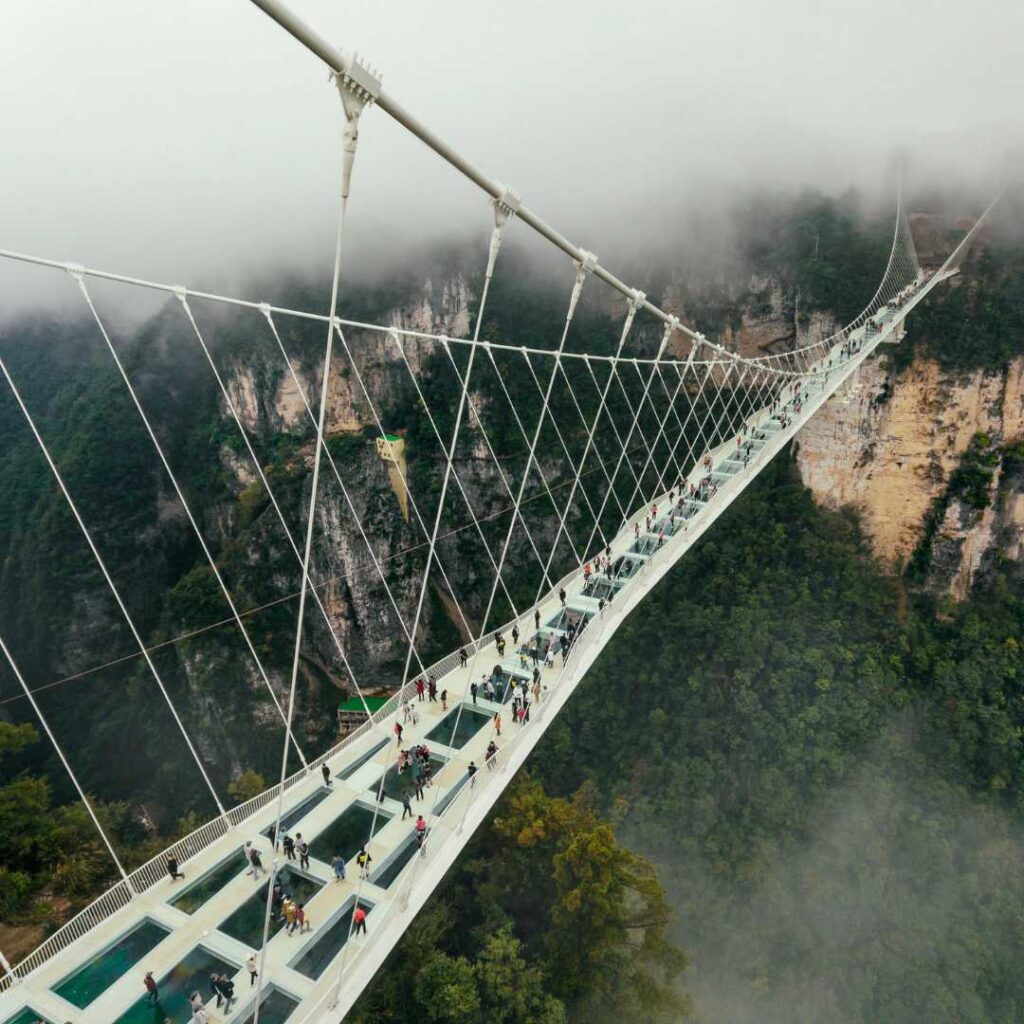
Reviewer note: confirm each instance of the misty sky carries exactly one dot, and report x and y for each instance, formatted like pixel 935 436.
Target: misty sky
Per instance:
pixel 194 141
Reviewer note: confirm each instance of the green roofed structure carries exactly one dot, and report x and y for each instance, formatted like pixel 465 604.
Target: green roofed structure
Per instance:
pixel 352 712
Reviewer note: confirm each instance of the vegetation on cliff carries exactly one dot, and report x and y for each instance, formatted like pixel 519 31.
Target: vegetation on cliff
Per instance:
pixel 829 776
pixel 545 918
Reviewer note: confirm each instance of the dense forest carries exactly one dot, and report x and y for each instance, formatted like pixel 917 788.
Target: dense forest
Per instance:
pixel 827 776
pixel 789 790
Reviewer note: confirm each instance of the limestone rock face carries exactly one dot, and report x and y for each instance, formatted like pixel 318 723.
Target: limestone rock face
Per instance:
pixel 888 447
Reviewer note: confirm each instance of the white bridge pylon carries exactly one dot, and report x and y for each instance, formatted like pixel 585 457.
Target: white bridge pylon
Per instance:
pixel 650 450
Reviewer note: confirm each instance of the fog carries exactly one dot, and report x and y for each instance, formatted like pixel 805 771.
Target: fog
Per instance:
pixel 899 904
pixel 197 142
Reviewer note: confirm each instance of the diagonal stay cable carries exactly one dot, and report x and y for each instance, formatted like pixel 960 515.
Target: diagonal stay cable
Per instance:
pixel 356 518
pixel 273 498
pixel 623 336
pixel 67 767
pixel 184 503
pixel 477 420
pixel 633 426
pixel 110 583
pixel 256 609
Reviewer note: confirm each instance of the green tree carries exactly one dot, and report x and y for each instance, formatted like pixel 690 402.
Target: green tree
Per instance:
pixel 14 738
pixel 245 786
pixel 446 990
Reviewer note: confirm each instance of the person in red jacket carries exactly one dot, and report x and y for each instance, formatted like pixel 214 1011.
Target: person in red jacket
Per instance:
pixel 359 920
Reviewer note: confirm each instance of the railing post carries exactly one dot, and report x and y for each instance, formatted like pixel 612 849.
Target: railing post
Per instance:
pixel 8 970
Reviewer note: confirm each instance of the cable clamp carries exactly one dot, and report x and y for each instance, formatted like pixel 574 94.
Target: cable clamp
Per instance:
pixel 264 308
pixel 587 260
pixel 180 292
pixel 507 204
pixel 637 298
pixel 360 83
pixel 76 270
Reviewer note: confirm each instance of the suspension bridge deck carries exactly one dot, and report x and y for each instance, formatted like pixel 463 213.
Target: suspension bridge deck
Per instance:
pixel 212 920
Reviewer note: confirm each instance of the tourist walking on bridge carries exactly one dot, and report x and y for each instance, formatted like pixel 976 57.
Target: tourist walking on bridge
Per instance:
pixel 199 1014
pixel 364 860
pixel 359 920
pixel 250 966
pixel 172 868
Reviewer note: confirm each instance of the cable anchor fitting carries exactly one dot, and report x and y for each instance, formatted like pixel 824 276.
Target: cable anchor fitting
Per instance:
pixel 506 205
pixel 672 325
pixel 584 265
pixel 359 86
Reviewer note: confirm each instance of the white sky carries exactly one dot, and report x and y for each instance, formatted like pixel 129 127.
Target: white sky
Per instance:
pixel 194 141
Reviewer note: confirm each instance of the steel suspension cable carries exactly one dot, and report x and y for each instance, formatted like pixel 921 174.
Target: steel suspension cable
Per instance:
pixel 353 101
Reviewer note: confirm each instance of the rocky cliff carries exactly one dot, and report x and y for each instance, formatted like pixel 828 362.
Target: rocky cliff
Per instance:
pixel 892 447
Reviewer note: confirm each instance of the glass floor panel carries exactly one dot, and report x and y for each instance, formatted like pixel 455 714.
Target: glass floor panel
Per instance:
pixel 445 801
pixel 298 813
pixel 396 784
pixel 192 974
pixel 246 923
pixel 393 868
pixel 275 1008
pixel 347 833
pixel 602 587
pixel 349 771
pixel 190 899
pixel 471 722
pixel 27 1016
pixel 644 546
pixel 625 568
pixel 328 944
pixel 95 976
pixel 565 618
pixel 514 688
